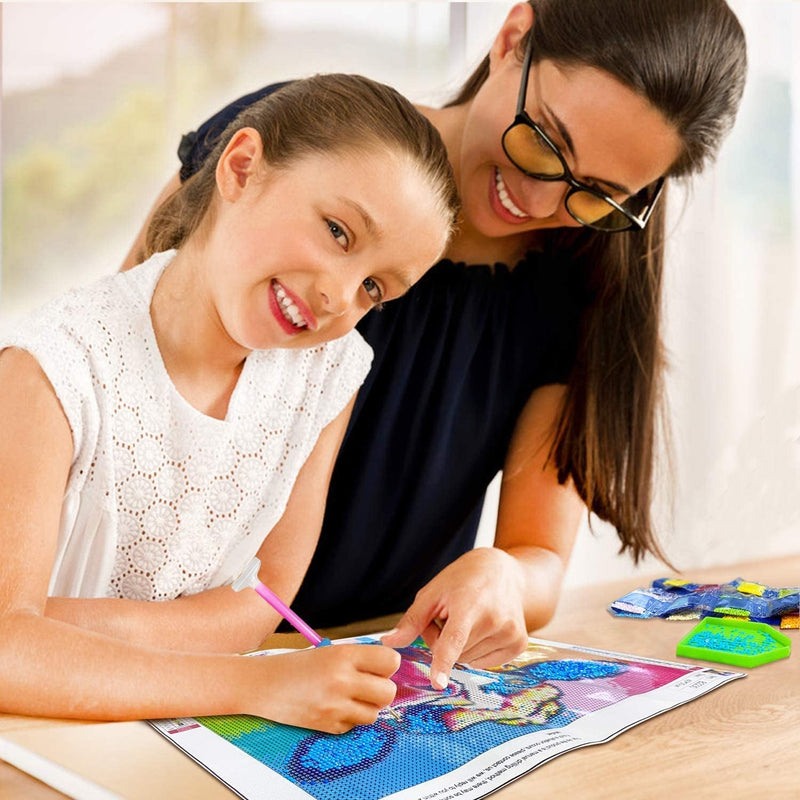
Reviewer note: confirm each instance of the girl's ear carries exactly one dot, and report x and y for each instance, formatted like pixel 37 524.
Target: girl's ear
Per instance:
pixel 518 22
pixel 239 163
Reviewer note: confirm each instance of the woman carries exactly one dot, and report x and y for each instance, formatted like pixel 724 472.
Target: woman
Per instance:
pixel 534 347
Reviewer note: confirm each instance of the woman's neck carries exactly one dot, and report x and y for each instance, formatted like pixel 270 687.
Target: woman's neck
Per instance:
pixel 472 247
pixel 202 361
pixel 468 244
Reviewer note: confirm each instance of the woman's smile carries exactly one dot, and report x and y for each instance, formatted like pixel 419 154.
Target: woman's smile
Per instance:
pixel 500 195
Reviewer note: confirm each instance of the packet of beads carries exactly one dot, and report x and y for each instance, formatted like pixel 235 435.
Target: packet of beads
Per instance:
pixel 673 598
pixel 757 602
pixel 668 598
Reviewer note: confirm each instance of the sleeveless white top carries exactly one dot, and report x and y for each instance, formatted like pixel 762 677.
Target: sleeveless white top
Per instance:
pixel 163 500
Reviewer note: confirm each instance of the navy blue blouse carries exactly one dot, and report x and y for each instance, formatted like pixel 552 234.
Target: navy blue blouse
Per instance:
pixel 456 359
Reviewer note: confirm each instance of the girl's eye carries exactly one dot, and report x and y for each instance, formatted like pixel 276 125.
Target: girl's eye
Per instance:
pixel 374 291
pixel 338 233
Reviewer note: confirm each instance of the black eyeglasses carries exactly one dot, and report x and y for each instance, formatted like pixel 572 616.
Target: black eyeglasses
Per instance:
pixel 532 151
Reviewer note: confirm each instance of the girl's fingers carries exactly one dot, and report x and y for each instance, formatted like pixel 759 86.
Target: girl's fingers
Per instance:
pixel 375 659
pixel 374 692
pixel 359 714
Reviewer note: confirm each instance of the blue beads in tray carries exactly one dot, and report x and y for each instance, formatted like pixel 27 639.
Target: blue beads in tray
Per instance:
pixel 734 641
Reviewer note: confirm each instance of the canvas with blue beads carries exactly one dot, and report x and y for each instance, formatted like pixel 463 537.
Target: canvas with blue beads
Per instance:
pixel 485 729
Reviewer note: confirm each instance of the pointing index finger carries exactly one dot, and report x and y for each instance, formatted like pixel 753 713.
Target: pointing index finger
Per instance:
pixel 447 650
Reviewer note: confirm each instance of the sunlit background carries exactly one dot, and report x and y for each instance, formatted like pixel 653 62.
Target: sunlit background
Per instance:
pixel 96 95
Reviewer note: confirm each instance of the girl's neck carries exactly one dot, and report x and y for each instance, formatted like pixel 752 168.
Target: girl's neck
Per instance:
pixel 202 361
pixel 468 244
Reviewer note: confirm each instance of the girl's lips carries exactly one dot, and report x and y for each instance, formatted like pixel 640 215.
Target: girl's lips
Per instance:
pixel 284 323
pixel 300 313
pixel 497 205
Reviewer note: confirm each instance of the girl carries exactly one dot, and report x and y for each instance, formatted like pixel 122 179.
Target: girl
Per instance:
pixel 534 347
pixel 159 424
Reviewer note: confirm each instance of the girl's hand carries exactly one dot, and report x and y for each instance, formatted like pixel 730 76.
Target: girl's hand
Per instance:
pixel 329 689
pixel 472 611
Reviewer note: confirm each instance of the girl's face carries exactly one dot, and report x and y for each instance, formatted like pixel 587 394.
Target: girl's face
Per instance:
pixel 609 136
pixel 298 255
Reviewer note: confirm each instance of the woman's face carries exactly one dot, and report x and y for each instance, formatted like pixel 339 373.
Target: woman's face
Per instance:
pixel 609 136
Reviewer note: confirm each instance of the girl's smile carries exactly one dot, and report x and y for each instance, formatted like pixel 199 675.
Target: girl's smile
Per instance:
pixel 292 314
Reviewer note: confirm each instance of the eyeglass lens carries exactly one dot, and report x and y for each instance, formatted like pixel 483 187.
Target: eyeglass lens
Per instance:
pixel 534 155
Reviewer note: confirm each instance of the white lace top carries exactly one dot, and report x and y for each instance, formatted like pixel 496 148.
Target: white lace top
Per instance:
pixel 162 500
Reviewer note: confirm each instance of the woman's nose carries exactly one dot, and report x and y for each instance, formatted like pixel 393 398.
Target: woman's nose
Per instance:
pixel 544 198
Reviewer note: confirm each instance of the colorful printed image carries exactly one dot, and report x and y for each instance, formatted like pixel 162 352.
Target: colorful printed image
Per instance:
pixel 430 733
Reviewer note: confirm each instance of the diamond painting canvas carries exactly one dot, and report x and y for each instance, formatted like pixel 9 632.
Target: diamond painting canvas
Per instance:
pixel 485 729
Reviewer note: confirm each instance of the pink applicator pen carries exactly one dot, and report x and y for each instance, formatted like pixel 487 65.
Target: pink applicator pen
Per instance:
pixel 249 578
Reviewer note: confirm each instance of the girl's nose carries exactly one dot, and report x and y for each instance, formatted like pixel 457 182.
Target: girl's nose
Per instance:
pixel 333 299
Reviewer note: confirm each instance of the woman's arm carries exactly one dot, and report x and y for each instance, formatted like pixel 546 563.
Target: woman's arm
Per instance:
pixel 480 608
pixel 222 620
pixel 49 667
pixel 136 253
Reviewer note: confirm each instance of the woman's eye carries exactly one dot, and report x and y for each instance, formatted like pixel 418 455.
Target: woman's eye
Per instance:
pixel 543 146
pixel 338 233
pixel 373 290
pixel 614 194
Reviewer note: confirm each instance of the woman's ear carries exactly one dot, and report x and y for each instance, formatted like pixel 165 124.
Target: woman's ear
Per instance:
pixel 518 22
pixel 239 163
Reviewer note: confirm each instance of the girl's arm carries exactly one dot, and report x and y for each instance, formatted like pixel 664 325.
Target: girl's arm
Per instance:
pixel 222 620
pixel 48 667
pixel 480 608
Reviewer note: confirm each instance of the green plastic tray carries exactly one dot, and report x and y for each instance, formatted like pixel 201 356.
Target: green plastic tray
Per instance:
pixel 734 641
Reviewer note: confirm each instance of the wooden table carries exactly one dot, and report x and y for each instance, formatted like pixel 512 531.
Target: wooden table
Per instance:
pixel 740 739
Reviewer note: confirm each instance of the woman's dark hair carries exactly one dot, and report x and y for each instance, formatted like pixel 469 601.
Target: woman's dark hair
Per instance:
pixel 322 114
pixel 688 59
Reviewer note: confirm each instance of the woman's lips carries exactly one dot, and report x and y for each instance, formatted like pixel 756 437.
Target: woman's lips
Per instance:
pixel 502 202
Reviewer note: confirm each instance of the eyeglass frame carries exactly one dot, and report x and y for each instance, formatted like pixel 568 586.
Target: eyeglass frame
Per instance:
pixel 523 118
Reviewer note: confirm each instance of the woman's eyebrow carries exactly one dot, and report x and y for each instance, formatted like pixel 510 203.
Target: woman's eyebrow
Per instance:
pixel 564 133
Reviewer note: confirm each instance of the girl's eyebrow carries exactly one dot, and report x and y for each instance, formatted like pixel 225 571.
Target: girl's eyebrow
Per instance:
pixel 402 277
pixel 369 223
pixel 405 279
pixel 564 133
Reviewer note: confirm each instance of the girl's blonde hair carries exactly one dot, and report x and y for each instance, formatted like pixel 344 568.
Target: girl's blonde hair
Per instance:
pixel 317 115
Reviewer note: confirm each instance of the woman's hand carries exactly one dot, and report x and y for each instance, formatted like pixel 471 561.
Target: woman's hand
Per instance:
pixel 472 611
pixel 480 608
pixel 329 689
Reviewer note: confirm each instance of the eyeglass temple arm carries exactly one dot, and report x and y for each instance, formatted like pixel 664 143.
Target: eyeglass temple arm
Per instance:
pixel 646 213
pixel 526 67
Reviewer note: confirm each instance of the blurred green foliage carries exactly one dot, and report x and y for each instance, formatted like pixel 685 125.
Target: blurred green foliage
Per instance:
pixel 78 185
